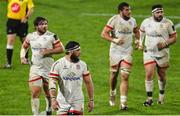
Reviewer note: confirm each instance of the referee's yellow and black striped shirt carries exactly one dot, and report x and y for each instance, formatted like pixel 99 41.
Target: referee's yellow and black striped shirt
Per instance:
pixel 17 8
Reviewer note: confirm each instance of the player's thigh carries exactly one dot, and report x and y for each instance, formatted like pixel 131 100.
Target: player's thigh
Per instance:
pixel 35 85
pixel 46 86
pixel 126 65
pixel 115 60
pixel 149 64
pixel 161 72
pixel 163 62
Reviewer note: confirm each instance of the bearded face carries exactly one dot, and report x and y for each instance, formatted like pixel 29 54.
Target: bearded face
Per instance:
pixel 158 16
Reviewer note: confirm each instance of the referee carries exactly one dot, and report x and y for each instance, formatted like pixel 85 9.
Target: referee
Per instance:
pixel 17 24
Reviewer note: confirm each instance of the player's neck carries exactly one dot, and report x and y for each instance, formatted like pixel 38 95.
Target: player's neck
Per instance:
pixel 124 17
pixel 68 58
pixel 41 33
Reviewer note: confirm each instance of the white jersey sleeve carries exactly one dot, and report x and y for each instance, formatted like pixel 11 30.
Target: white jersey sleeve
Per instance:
pixel 85 68
pixel 111 23
pixel 28 37
pixel 143 24
pixel 54 72
pixel 171 28
pixel 55 39
pixel 134 22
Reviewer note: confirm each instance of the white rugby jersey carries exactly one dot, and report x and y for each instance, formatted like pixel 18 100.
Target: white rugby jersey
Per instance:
pixel 122 29
pixel 70 76
pixel 156 32
pixel 40 42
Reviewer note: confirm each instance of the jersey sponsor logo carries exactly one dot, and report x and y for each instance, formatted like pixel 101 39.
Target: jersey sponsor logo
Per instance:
pixel 15 7
pixel 71 78
pixel 130 23
pixel 65 67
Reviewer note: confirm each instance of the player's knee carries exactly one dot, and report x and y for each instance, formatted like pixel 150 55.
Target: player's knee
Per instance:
pixel 149 75
pixel 35 92
pixel 125 74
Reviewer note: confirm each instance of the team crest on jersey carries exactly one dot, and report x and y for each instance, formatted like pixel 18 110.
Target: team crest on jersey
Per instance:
pixel 44 38
pixel 65 67
pixel 15 7
pixel 77 66
pixel 149 25
pixel 130 23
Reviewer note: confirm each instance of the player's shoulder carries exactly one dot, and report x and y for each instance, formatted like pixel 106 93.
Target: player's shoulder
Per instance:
pixel 49 33
pixel 32 34
pixel 166 20
pixel 148 19
pixel 83 63
pixel 59 61
pixel 114 17
pixel 133 19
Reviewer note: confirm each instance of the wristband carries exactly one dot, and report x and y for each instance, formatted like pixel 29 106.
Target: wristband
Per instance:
pixel 91 100
pixel 53 98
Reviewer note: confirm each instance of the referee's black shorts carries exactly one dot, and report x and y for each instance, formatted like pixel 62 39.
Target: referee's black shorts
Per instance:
pixel 16 27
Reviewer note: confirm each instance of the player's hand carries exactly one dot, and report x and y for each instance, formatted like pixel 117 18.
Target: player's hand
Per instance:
pixel 162 45
pixel 24 60
pixel 136 42
pixel 90 105
pixel 139 47
pixel 54 104
pixel 24 20
pixel 118 41
pixel 45 52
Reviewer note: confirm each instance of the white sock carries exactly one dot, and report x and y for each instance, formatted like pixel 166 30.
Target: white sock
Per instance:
pixel 149 88
pixel 161 85
pixel 161 88
pixel 161 97
pixel 35 106
pixel 48 107
pixel 112 92
pixel 123 100
pixel 149 85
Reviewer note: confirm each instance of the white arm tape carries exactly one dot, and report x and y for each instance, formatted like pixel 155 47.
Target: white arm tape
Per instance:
pixel 142 35
pixel 52 83
pixel 62 46
pixel 23 52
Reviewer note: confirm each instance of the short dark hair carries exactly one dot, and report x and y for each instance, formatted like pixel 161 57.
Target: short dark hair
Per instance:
pixel 71 45
pixel 38 20
pixel 122 5
pixel 157 6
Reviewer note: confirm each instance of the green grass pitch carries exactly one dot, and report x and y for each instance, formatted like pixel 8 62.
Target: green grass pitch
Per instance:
pixel 71 20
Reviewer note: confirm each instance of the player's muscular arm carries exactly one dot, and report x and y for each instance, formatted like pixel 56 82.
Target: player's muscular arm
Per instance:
pixel 165 44
pixel 172 39
pixel 52 91
pixel 57 48
pixel 90 89
pixel 106 35
pixel 24 49
pixel 141 39
pixel 137 37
